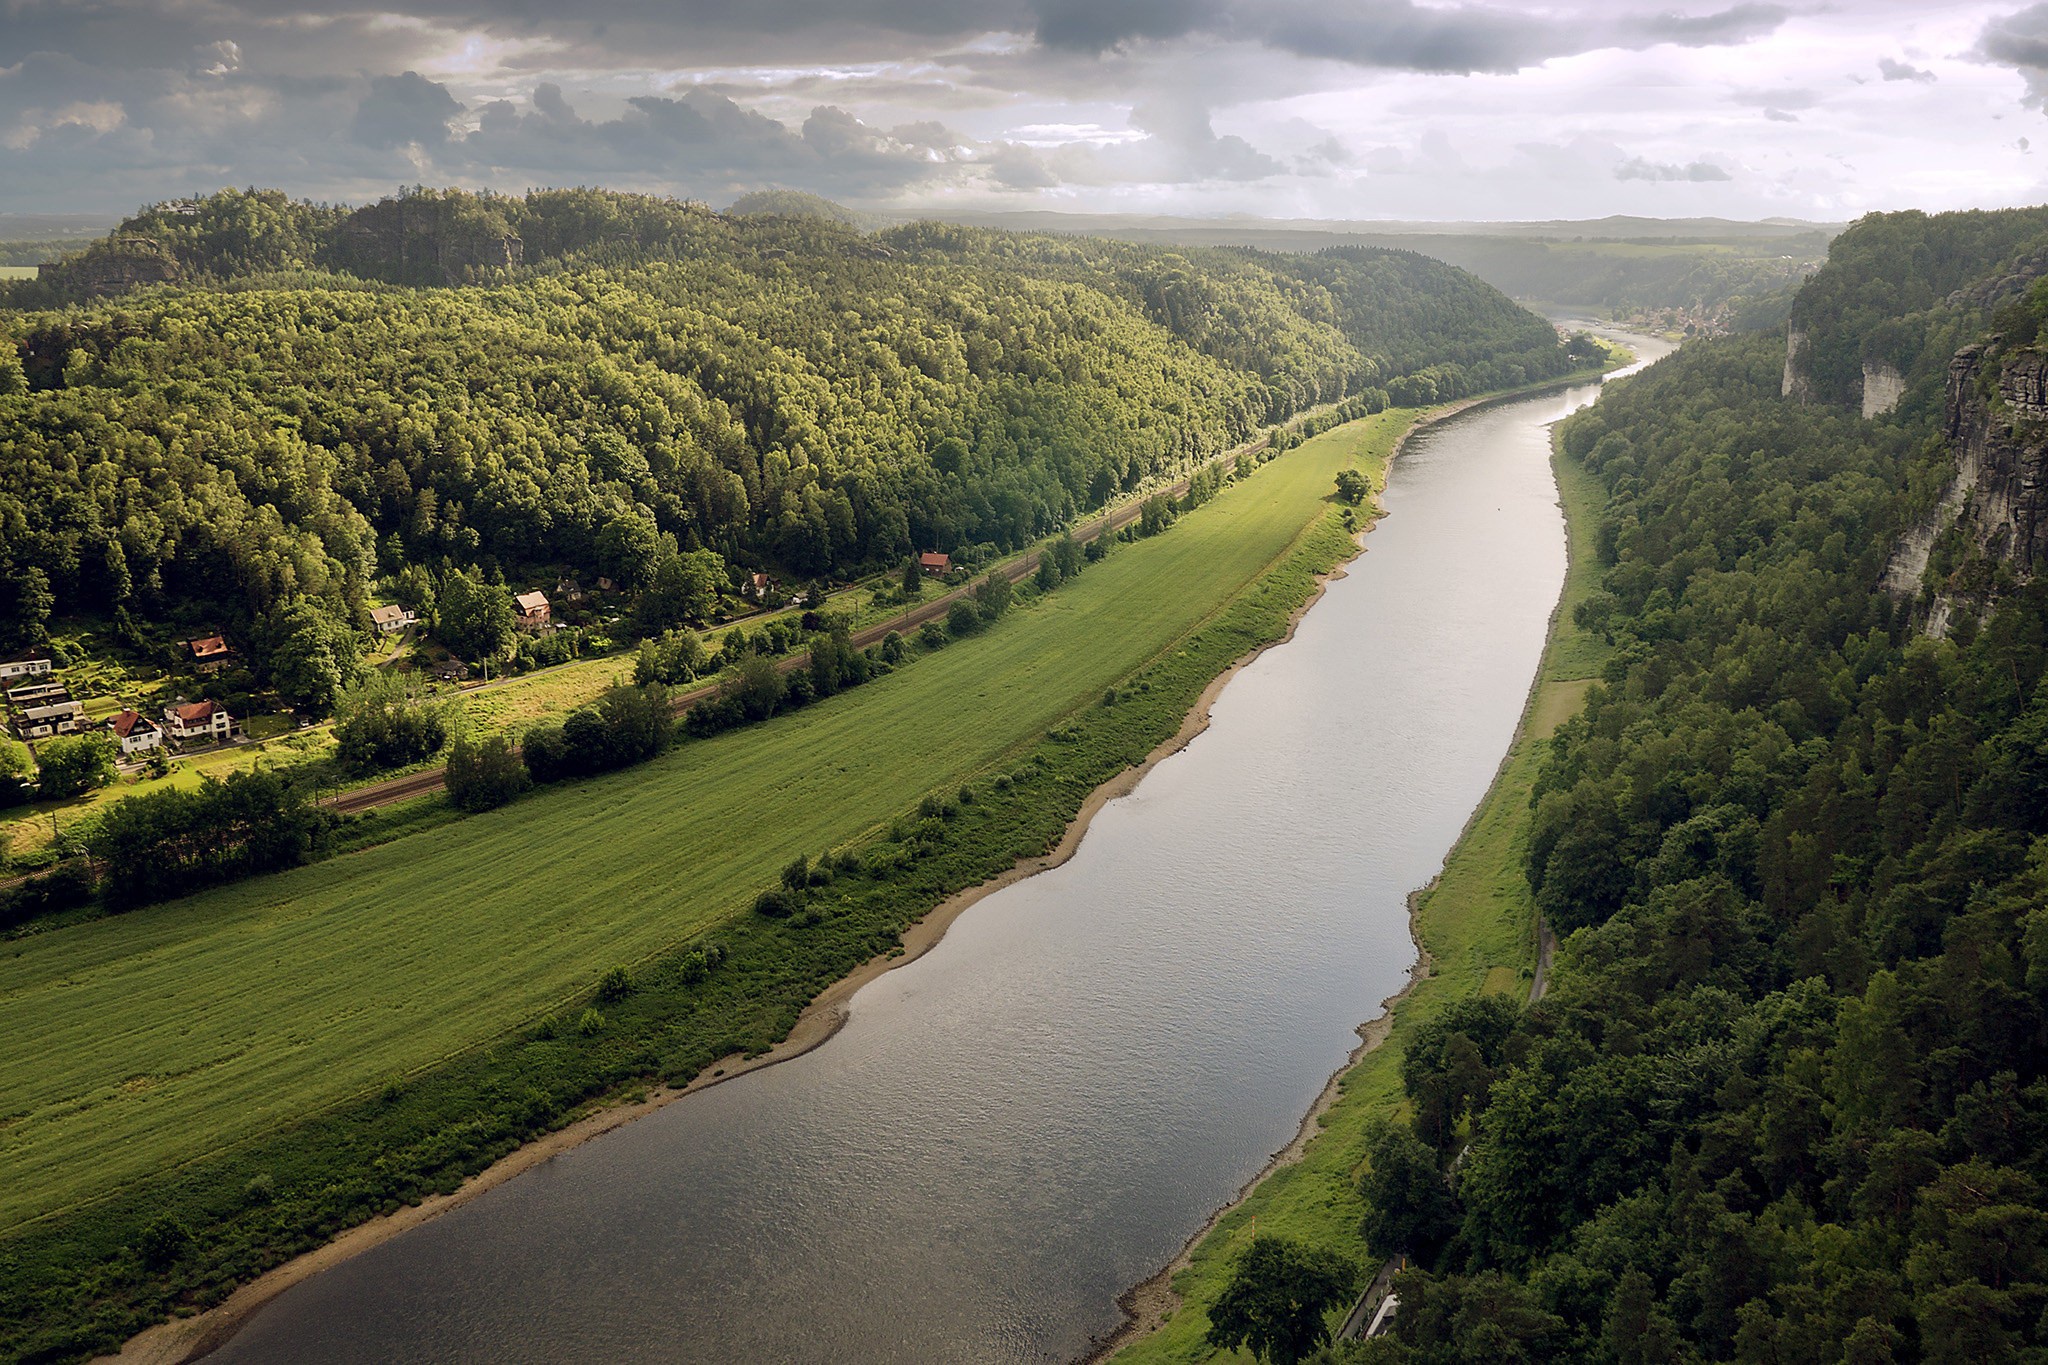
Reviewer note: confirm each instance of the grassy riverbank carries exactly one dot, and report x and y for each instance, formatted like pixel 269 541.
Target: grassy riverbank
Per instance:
pixel 1476 927
pixel 260 1067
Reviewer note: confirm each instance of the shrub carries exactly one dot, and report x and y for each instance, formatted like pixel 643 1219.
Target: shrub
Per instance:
pixel 616 984
pixel 992 595
pixel 1048 576
pixel 64 887
pixel 261 1189
pixel 590 1023
pixel 798 874
pixel 931 635
pixel 777 902
pixel 163 1242
pixel 382 723
pixel 179 839
pixel 963 618
pixel 484 773
pixel 71 765
pixel 892 648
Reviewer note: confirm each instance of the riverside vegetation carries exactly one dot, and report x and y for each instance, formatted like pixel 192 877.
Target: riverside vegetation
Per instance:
pixel 1784 1101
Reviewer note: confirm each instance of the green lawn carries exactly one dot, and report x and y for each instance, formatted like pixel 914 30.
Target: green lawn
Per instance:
pixel 133 1044
pixel 1477 923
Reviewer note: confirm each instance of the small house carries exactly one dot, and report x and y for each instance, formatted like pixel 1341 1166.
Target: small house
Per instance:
pixel 934 564
pixel 136 732
pixel 760 585
pixel 38 694
pixel 605 584
pixel 209 654
pixel 533 610
pixel 568 589
pixel 198 720
pixel 390 619
pixel 33 664
pixel 65 717
pixel 452 669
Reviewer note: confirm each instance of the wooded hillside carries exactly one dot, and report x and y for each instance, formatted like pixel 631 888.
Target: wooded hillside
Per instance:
pixel 308 399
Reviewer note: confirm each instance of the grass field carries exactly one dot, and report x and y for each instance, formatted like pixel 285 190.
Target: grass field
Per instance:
pixel 133 1044
pixel 1476 922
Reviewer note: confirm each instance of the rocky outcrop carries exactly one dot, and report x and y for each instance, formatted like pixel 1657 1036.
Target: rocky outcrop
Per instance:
pixel 1797 385
pixel 1999 499
pixel 1883 386
pixel 113 267
pixel 425 239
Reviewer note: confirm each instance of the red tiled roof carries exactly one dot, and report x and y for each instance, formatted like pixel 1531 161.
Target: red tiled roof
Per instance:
pixel 124 724
pixel 195 712
pixel 208 647
pixel 932 559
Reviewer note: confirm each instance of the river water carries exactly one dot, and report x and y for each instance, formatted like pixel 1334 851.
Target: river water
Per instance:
pixel 1038 1113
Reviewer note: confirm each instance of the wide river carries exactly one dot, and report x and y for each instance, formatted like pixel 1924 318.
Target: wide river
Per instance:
pixel 1039 1112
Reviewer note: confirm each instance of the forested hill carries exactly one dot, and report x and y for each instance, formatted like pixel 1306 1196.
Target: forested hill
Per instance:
pixel 1787 1100
pixel 241 408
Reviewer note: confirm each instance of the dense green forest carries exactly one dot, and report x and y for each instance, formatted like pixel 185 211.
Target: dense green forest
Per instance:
pixel 1787 1099
pixel 244 413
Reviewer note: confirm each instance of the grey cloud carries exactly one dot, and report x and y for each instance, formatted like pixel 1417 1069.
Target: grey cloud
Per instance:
pixel 1791 97
pixel 2020 41
pixel 1780 116
pixel 1394 34
pixel 1637 168
pixel 405 110
pixel 1900 71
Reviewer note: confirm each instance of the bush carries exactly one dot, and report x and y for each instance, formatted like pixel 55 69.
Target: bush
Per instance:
pixel 992 595
pixel 71 765
pixel 963 618
pixel 66 886
pixel 382 723
pixel 1352 486
pixel 590 1023
pixel 616 984
pixel 624 726
pixel 777 902
pixel 797 875
pixel 163 1242
pixel 180 839
pixel 698 962
pixel 676 657
pixel 931 635
pixel 484 773
pixel 892 648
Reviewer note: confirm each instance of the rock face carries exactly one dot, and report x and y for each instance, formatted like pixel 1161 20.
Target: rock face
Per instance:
pixel 114 267
pixel 1796 386
pixel 425 240
pixel 1883 386
pixel 2001 454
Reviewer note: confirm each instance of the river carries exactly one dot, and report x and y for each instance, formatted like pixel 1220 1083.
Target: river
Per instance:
pixel 1037 1114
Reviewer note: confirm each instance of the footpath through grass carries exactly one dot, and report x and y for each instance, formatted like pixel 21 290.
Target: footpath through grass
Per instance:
pixel 1476 923
pixel 266 1064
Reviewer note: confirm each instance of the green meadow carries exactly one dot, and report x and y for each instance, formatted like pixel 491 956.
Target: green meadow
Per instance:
pixel 1477 924
pixel 135 1045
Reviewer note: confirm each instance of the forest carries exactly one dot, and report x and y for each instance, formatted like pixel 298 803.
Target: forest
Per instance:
pixel 248 414
pixel 1786 1099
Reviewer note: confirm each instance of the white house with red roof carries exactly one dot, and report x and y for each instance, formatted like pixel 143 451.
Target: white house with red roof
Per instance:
pixel 136 732
pixel 198 720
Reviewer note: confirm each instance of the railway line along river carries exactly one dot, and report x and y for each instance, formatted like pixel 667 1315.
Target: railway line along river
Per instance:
pixel 1038 1113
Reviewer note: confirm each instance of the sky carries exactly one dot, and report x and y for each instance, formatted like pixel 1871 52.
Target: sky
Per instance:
pixel 1332 109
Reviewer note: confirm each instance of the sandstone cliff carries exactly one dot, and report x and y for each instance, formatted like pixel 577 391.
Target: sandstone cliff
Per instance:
pixel 1992 522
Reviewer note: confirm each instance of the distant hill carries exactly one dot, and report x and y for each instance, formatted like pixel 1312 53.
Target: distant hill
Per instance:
pixel 800 204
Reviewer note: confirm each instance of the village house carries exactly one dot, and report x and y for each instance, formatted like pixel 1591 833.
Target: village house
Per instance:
pixel 568 589
pixel 934 564
pixel 390 619
pixel 198 720
pixel 37 694
pixel 136 732
pixel 533 610
pixel 209 654
pixel 760 585
pixel 33 664
pixel 64 717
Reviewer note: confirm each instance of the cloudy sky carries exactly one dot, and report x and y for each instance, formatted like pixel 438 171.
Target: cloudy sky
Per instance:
pixel 1357 109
